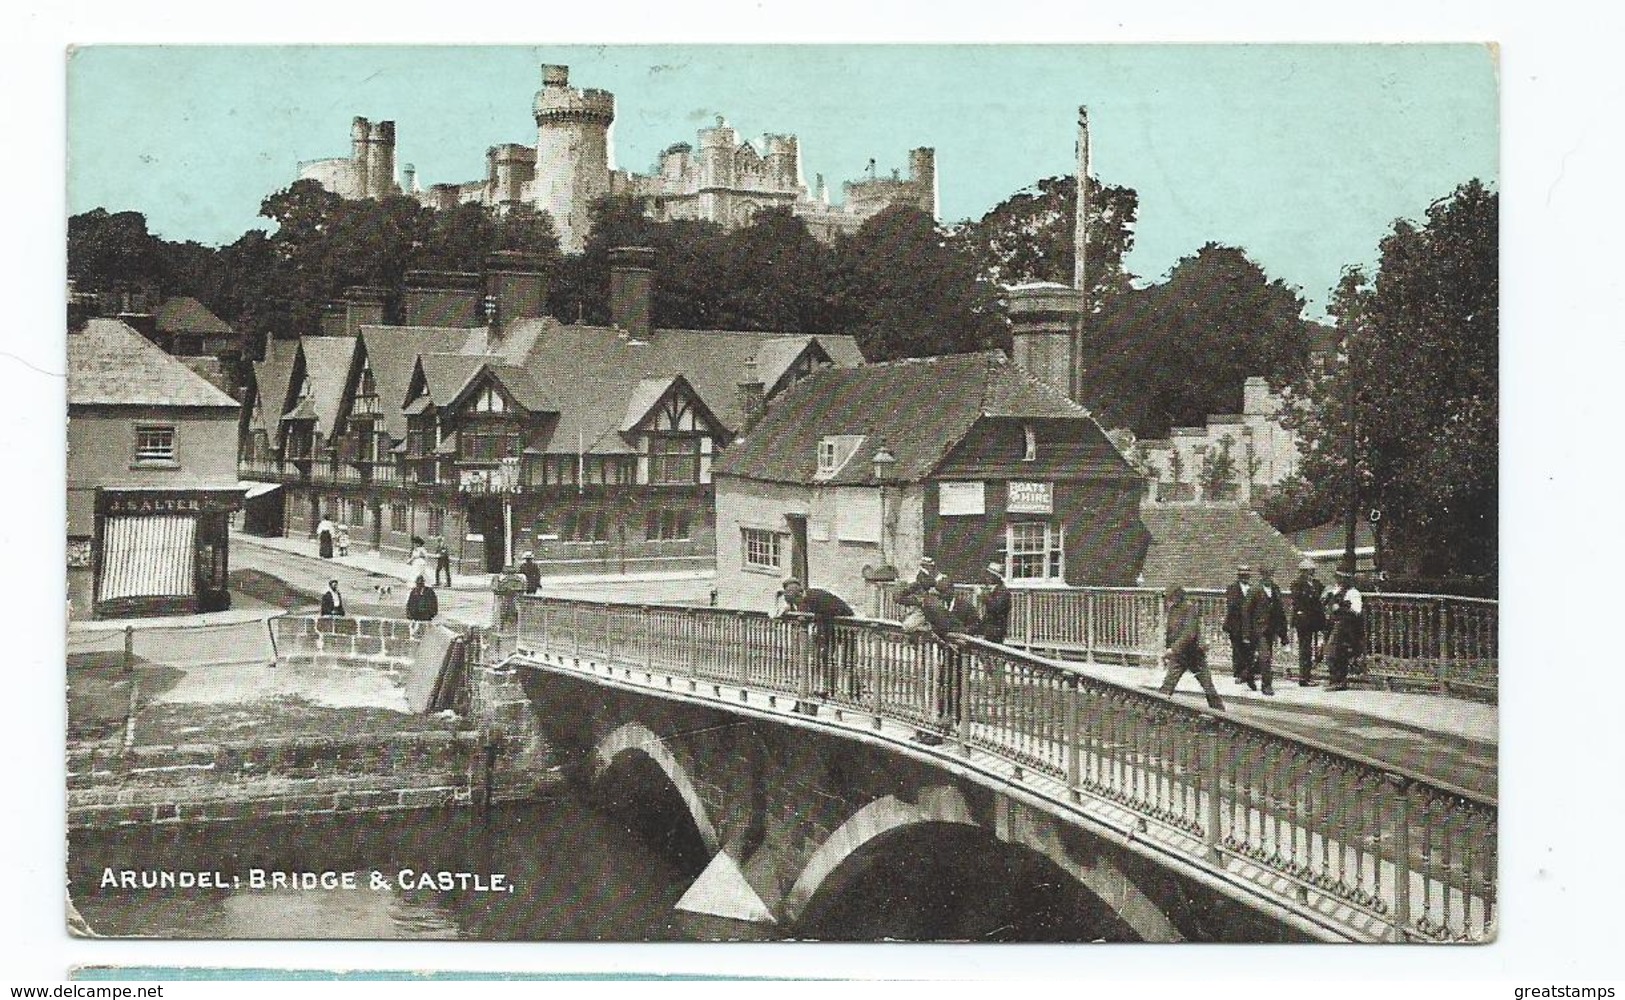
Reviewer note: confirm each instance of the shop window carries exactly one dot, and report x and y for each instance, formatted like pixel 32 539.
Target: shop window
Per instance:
pixel 1034 550
pixel 437 520
pixel 397 517
pixel 764 550
pixel 155 444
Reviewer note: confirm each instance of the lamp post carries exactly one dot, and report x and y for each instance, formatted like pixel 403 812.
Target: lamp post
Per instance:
pixel 884 463
pixel 1352 518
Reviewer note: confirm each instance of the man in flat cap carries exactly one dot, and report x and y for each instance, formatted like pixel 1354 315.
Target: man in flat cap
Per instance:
pixel 1236 597
pixel 1347 632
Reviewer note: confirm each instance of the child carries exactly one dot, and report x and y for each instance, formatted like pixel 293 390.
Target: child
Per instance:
pixel 344 542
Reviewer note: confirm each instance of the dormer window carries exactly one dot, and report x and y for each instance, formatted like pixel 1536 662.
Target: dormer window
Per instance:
pixel 1029 443
pixel 834 451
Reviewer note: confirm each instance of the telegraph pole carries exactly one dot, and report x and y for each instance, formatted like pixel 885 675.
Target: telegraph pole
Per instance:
pixel 1352 522
pixel 1080 246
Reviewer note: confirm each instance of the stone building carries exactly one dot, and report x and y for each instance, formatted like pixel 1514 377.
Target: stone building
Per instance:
pixel 721 178
pixel 152 477
pixel 967 458
pixel 590 446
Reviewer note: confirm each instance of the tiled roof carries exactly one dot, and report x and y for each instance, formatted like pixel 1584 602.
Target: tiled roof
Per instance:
pixel 446 374
pixel 271 377
pixel 643 398
pixel 327 364
pixel 516 379
pixel 1333 535
pixel 111 364
pixel 1201 546
pixel 185 314
pixel 920 408
pixel 391 353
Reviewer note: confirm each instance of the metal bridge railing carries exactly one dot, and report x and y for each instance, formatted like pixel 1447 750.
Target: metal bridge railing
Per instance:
pixel 1414 854
pixel 1427 642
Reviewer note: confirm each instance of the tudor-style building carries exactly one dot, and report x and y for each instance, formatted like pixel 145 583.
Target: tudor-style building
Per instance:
pixel 589 446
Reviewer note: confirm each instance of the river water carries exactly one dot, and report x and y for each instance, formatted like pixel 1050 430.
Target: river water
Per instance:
pixel 576 874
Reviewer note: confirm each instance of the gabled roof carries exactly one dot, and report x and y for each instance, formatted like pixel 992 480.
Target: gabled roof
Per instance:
pixel 643 399
pixel 391 353
pixel 515 379
pixel 271 375
pixel 919 408
pixel 775 356
pixel 1334 535
pixel 110 364
pixel 445 375
pixel 1200 546
pixel 184 314
pixel 327 365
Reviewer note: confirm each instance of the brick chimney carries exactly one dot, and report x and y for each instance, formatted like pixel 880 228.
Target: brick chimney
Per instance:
pixel 516 285
pixel 363 306
pixel 333 319
pixel 631 290
pixel 442 298
pixel 752 398
pixel 1043 329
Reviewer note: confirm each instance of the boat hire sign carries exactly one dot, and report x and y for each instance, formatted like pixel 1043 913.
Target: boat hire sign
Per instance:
pixel 1030 498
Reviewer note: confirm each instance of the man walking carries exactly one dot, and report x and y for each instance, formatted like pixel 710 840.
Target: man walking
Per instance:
pixel 531 572
pixel 995 624
pixel 1236 597
pixel 1185 651
pixel 824 607
pixel 442 562
pixel 948 616
pixel 1308 618
pixel 332 601
pixel 1266 625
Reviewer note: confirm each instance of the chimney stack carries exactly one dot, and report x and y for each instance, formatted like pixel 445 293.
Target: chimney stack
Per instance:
pixel 631 290
pixel 752 395
pixel 515 283
pixel 333 319
pixel 363 306
pixel 442 298
pixel 1080 242
pixel 1044 320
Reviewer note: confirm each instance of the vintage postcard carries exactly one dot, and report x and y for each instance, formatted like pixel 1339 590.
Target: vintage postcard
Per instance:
pixel 783 493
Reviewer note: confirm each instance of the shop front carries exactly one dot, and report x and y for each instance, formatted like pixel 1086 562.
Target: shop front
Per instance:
pixel 161 551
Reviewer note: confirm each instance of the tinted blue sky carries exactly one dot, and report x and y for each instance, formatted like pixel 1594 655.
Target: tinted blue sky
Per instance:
pixel 1302 155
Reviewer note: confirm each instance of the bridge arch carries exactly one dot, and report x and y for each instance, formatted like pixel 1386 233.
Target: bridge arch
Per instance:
pixel 635 737
pixel 1097 878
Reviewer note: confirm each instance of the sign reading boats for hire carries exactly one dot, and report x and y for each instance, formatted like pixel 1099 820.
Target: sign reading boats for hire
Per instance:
pixel 1030 498
pixel 334 802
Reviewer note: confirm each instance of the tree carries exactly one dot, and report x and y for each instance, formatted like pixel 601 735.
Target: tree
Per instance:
pixel 108 250
pixel 1169 354
pixel 1420 370
pixel 911 292
pixel 1030 236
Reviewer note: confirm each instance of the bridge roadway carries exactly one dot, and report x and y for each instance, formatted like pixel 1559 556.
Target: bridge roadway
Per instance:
pixel 1327 839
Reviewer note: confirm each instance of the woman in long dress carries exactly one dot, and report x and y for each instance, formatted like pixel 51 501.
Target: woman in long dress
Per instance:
pixel 419 560
pixel 324 539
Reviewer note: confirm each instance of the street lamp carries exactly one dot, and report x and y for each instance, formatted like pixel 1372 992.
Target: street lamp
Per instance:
pixel 884 464
pixel 1352 518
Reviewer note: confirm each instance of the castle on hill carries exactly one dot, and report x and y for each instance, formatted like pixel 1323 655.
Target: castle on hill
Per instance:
pixel 721 179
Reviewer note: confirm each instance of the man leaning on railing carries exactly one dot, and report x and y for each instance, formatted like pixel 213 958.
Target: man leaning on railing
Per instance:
pixel 1186 651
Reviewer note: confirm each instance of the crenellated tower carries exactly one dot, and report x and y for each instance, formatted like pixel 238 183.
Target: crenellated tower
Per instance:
pixel 572 153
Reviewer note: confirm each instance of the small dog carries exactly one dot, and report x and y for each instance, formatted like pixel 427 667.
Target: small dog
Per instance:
pixel 384 589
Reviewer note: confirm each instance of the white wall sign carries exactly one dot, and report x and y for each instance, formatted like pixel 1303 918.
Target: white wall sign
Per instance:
pixel 857 514
pixel 960 499
pixel 1031 498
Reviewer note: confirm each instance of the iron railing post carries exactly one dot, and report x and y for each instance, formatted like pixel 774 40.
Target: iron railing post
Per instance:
pixel 1213 812
pixel 744 644
pixel 1089 597
pixel 1074 737
pixel 958 693
pixel 875 647
pixel 129 648
pixel 1402 859
pixel 575 628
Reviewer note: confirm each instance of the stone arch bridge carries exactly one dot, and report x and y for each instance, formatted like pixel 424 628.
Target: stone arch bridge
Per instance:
pixel 800 764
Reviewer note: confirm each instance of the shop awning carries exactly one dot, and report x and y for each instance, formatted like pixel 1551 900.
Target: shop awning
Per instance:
pixel 252 489
pixel 148 557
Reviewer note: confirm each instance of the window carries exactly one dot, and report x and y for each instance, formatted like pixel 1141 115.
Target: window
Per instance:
pixel 437 520
pixel 584 526
pixel 764 550
pixel 155 444
pixel 1034 550
pixel 397 517
pixel 1030 443
pixel 674 460
pixel 667 526
pixel 358 513
pixel 488 447
pixel 834 451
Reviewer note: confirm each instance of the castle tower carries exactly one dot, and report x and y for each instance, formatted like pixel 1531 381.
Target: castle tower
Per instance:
pixel 717 147
pixel 360 147
pixel 784 162
pixel 922 170
pixel 381 161
pixel 572 153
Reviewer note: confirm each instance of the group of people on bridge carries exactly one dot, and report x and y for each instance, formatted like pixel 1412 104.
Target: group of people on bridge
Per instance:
pixel 1327 622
